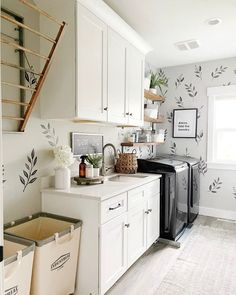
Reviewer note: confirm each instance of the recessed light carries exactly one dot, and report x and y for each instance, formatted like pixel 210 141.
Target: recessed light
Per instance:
pixel 213 21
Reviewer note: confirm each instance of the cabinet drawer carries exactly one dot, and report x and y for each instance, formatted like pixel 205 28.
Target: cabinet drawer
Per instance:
pixel 113 207
pixel 152 188
pixel 135 196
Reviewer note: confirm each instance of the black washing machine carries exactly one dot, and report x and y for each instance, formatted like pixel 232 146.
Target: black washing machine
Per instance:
pixel 174 194
pixel 194 184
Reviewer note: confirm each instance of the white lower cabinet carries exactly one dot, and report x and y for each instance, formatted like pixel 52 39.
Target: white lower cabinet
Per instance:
pixel 124 239
pixel 153 219
pixel 115 232
pixel 113 253
pixel 136 233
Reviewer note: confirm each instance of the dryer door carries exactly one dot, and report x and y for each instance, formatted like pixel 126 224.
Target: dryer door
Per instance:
pixel 195 193
pixel 181 198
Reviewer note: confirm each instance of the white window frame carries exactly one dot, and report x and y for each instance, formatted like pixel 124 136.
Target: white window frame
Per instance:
pixel 213 93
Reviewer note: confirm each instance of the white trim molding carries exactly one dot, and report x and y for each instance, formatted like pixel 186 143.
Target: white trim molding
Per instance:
pixel 218 213
pixel 221 90
pixel 221 166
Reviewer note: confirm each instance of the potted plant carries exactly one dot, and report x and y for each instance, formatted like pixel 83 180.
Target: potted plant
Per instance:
pixel 157 81
pixel 95 161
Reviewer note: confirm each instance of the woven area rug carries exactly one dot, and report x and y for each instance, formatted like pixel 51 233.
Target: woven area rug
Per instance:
pixel 206 266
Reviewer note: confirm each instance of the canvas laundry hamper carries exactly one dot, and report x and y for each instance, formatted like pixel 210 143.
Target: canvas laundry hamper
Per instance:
pixel 57 240
pixel 18 263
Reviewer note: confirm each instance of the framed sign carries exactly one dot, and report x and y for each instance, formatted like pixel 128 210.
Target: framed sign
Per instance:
pixel 84 144
pixel 185 123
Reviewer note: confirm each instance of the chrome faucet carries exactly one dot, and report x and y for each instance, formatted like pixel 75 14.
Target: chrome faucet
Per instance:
pixel 106 169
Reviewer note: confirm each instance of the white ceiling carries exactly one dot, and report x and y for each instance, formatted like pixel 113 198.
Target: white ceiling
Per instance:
pixel 164 22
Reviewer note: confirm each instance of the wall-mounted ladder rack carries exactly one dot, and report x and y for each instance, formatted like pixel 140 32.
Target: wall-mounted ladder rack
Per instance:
pixel 28 106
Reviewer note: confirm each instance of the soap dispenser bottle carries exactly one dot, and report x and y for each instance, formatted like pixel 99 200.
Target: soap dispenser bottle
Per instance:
pixel 82 167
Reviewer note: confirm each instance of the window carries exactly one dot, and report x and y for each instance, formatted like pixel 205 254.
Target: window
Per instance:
pixel 221 151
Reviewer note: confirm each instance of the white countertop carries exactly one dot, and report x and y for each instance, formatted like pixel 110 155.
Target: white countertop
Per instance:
pixel 106 190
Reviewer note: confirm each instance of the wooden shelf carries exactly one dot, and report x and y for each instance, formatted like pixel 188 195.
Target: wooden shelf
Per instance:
pixel 154 97
pixel 152 120
pixel 133 144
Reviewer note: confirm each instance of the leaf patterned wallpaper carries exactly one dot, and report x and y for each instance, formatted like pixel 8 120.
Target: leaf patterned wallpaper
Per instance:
pixel 187 89
pixel 28 157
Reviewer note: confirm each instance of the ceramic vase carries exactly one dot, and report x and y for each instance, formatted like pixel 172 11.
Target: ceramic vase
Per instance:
pixel 62 178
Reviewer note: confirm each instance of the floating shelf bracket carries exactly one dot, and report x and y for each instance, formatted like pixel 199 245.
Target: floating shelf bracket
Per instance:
pixel 42 76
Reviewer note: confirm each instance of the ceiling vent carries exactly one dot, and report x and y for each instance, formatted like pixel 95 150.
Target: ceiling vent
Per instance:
pixel 187 45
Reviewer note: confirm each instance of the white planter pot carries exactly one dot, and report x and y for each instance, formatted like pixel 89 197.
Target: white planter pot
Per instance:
pixel 96 172
pixel 89 172
pixel 153 90
pixel 62 178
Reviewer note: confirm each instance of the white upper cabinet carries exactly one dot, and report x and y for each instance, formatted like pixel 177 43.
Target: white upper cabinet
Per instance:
pixel 116 78
pixel 134 85
pixel 125 81
pixel 98 73
pixel 91 66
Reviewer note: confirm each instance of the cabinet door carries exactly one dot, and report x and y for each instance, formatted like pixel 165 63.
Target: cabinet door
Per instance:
pixel 116 77
pixel 113 251
pixel 91 66
pixel 136 233
pixel 134 85
pixel 153 219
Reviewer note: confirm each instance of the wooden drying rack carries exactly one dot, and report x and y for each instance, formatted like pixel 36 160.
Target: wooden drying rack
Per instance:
pixel 42 76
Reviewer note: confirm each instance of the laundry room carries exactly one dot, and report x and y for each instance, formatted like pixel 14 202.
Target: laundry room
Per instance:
pixel 117 147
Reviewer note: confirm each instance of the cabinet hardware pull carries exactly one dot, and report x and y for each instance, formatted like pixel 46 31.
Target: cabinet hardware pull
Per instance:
pixel 131 114
pixel 147 212
pixel 127 225
pixel 150 210
pixel 114 208
pixel 106 108
pixel 127 114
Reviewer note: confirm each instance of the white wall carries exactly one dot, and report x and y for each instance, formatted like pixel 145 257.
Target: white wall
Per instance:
pixel 223 202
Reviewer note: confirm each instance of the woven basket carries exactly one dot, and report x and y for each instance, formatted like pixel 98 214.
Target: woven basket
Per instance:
pixel 127 163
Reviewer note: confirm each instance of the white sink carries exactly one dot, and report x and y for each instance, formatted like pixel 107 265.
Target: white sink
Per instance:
pixel 126 178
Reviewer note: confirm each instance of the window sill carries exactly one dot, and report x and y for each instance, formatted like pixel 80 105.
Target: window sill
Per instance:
pixel 221 166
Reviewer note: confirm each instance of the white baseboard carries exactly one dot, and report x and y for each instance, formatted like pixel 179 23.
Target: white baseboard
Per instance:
pixel 225 214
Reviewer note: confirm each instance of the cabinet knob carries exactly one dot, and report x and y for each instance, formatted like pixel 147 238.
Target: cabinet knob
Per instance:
pixel 127 114
pixel 149 210
pixel 127 225
pixel 131 114
pixel 106 108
